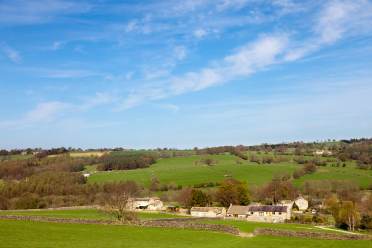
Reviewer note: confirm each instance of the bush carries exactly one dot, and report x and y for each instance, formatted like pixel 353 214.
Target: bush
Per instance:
pixel 298 173
pixel 208 161
pixel 123 161
pixel 309 168
pixel 28 201
pixel 4 203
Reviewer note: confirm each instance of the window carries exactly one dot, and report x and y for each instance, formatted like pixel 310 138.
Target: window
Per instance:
pixel 280 213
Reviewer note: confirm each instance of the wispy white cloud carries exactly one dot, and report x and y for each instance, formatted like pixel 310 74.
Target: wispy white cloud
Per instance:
pixel 56 45
pixel 25 12
pixel 200 33
pixel 170 107
pixel 66 73
pixel 12 54
pixel 99 99
pixel 336 20
pixel 248 59
pixel 45 111
pixel 344 18
pixel 180 52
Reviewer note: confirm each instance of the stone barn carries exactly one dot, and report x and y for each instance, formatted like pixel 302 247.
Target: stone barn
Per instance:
pixel 210 212
pixel 147 203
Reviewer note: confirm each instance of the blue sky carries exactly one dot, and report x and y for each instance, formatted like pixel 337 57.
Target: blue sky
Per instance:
pixel 145 74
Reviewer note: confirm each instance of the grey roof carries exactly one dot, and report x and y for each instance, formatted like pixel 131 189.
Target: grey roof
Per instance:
pixel 267 208
pixel 236 209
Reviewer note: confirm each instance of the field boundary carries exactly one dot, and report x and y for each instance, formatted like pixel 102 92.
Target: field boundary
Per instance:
pixel 310 235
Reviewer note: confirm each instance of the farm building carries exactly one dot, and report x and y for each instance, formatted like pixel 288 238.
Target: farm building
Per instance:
pixel 260 213
pixel 268 213
pixel 322 152
pixel 211 212
pixel 301 203
pixel 148 203
pixel 236 211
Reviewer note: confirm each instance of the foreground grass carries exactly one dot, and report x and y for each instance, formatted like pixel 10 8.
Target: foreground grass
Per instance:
pixel 37 234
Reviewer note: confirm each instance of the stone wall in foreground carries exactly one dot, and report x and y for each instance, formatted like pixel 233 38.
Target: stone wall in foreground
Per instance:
pixel 310 235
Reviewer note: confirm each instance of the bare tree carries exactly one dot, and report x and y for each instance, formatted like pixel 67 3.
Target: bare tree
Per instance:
pixel 117 205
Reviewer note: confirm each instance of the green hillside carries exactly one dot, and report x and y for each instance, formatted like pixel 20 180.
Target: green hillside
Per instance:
pixel 186 171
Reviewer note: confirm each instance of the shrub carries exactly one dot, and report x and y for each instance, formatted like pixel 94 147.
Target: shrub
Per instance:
pixel 124 161
pixel 309 168
pixel 298 173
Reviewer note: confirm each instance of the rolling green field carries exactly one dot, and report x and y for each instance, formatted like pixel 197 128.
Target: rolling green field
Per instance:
pixel 184 171
pixel 41 235
pixel 363 178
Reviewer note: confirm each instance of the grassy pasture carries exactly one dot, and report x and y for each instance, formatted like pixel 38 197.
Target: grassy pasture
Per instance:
pixel 82 214
pixel 41 235
pixel 15 157
pixel 87 154
pixel 184 171
pixel 362 178
pixel 80 154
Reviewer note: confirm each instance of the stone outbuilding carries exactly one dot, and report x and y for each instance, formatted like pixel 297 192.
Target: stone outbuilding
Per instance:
pixel 147 203
pixel 301 203
pixel 237 211
pixel 210 212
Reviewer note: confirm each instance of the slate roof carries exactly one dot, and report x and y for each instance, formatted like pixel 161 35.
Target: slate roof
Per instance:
pixel 267 208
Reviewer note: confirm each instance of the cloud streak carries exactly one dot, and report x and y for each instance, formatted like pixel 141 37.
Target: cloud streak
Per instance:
pixel 27 12
pixel 246 60
pixel 12 54
pixel 336 20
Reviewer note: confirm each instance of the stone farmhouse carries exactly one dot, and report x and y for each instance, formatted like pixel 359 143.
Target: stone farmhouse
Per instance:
pixel 299 205
pixel 322 152
pixel 210 212
pixel 260 213
pixel 147 203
